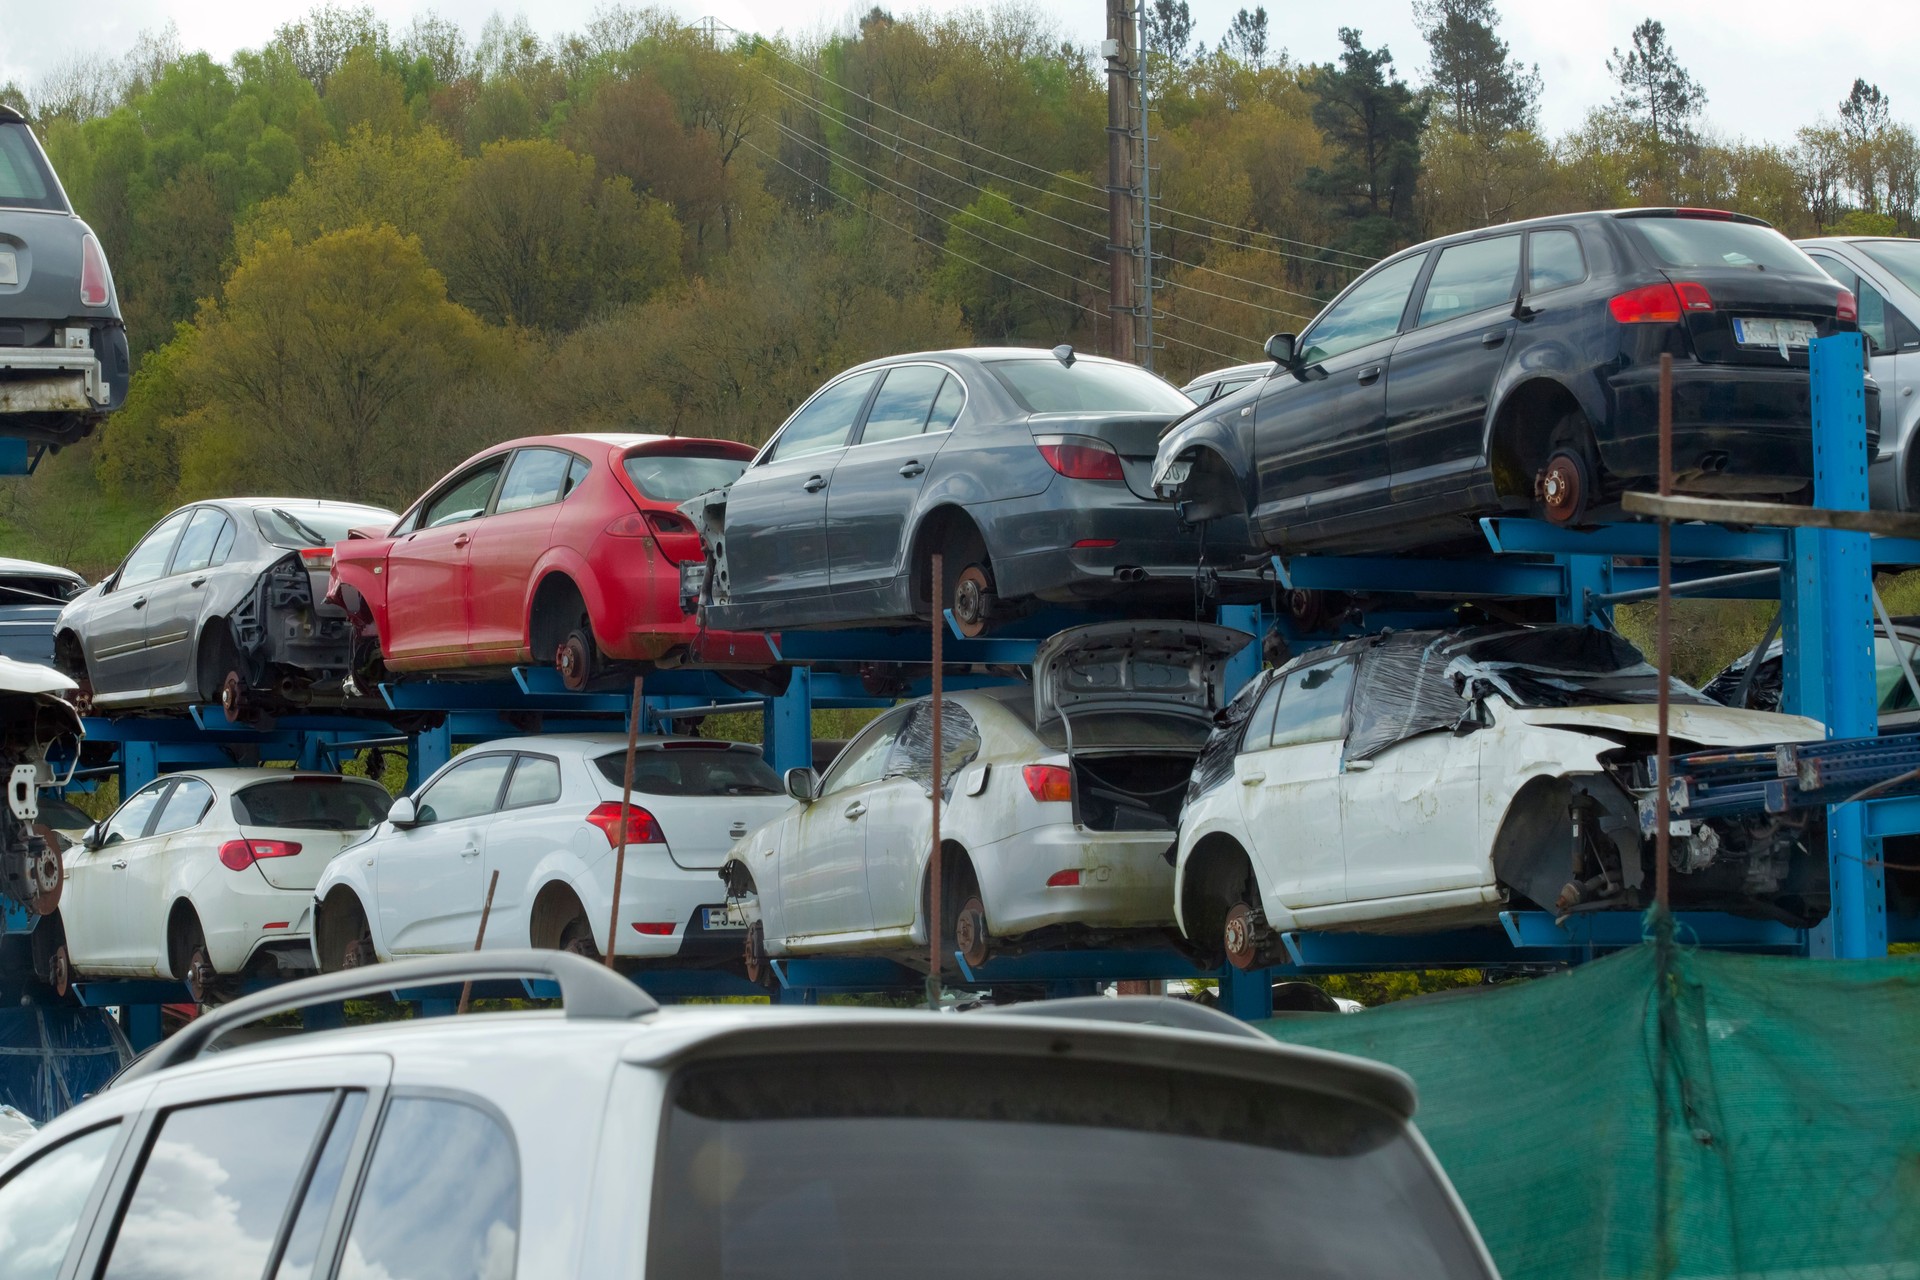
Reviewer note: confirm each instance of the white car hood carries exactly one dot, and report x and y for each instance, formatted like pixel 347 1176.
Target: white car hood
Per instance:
pixel 1703 726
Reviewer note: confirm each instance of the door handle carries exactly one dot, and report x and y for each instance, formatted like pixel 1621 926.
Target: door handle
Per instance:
pixel 1370 375
pixel 119 864
pixel 911 470
pixel 1253 779
pixel 855 809
pixel 815 484
pixel 471 851
pixel 462 540
pixel 197 582
pixel 1359 766
pixel 140 602
pixel 1493 337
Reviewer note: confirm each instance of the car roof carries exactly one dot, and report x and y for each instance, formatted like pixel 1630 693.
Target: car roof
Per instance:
pixel 1231 371
pixel 609 439
pixel 584 744
pixel 980 355
pixel 10 116
pixel 303 504
pixel 236 778
pixel 11 565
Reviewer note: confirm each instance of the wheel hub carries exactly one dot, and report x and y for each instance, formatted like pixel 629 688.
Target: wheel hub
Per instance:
pixel 1562 489
pixel 573 663
pixel 359 953
pixel 200 976
pixel 972 600
pixel 60 972
pixel 233 697
pixel 970 933
pixel 1241 936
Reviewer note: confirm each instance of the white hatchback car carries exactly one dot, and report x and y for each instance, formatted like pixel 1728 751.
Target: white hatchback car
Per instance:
pixel 545 814
pixel 615 1139
pixel 1059 813
pixel 204 875
pixel 1425 779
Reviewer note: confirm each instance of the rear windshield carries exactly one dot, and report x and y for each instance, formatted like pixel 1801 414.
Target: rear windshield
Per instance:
pixel 694 771
pixel 313 804
pixel 296 527
pixel 1047 386
pixel 676 478
pixel 875 1167
pixel 1709 243
pixel 38 588
pixel 1902 257
pixel 25 180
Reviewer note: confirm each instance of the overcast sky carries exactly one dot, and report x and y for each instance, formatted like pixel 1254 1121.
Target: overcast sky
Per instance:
pixel 1767 69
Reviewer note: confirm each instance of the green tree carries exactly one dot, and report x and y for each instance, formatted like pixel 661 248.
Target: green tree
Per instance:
pixel 1246 37
pixel 632 128
pixel 319 43
pixel 1478 87
pixel 406 181
pixel 1655 89
pixel 1372 121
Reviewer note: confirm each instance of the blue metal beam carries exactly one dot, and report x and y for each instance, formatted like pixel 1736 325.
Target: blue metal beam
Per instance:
pixel 1690 541
pixel 1423 577
pixel 1348 952
pixel 1613 930
pixel 1894 816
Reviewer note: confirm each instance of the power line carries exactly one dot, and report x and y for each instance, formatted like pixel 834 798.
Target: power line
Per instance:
pixel 1268 235
pixel 1194 266
pixel 1261 248
pixel 1168 283
pixel 1225 333
pixel 1218 355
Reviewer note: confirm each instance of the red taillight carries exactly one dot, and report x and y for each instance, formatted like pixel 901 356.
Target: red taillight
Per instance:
pixel 1659 303
pixel 1064 879
pixel 1710 215
pixel 633 526
pixel 1096 544
pixel 641 827
pixel 317 559
pixel 1080 457
pixel 654 928
pixel 678 540
pixel 1048 782
pixel 1846 308
pixel 238 855
pixel 95 285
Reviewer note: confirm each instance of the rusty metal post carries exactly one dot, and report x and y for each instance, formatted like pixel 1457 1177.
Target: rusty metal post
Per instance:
pixel 938 579
pixel 626 816
pixel 486 909
pixel 1663 751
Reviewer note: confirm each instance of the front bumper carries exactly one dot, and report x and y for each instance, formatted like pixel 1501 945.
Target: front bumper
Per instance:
pixel 1126 881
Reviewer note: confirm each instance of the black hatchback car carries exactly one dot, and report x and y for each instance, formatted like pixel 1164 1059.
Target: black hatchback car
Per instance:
pixel 1516 368
pixel 1027 469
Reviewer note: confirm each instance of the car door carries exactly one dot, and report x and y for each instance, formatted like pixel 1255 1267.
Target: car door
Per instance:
pixel 177 600
pixel 823 873
pixel 776 523
pixel 876 484
pixel 95 902
pixel 531 825
pixel 1320 435
pixel 114 627
pixel 165 857
pixel 1288 771
pixel 506 544
pixel 1410 818
pixel 1444 368
pixel 429 583
pixel 900 808
pixel 429 876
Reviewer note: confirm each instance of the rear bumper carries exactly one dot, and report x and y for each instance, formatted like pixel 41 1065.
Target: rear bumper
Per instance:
pixel 1126 880
pixel 643 620
pixel 655 891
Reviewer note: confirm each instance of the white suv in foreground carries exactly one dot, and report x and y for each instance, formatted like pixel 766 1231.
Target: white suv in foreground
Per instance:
pixel 616 1140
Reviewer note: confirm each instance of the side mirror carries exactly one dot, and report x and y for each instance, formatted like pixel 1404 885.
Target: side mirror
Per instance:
pixel 402 814
pixel 93 838
pixel 803 785
pixel 1279 349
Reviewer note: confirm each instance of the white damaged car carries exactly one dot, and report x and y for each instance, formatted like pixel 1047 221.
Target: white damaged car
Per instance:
pixel 1429 779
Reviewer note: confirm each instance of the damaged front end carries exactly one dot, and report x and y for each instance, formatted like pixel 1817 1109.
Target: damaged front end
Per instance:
pixel 35 717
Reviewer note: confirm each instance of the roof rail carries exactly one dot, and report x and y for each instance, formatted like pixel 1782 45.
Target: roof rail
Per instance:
pixel 1154 1011
pixel 588 990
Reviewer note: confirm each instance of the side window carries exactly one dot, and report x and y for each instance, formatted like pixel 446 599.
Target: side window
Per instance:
pixel 441 1200
pixel 1370 313
pixel 912 754
pixel 827 422
pixel 467 790
pixel 1260 724
pixel 1228 388
pixel 536 780
pixel 208 538
pixel 185 807
pixel 905 401
pixel 1313 707
pixel 1471 277
pixel 865 758
pixel 41 1204
pixel 464 499
pixel 149 560
pixel 535 478
pixel 947 405
pixel 576 474
pixel 323 1184
pixel 217 1183
pixel 129 821
pixel 1554 259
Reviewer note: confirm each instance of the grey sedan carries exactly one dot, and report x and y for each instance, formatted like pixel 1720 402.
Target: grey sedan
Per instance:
pixel 63 349
pixel 223 602
pixel 1029 470
pixel 1884 274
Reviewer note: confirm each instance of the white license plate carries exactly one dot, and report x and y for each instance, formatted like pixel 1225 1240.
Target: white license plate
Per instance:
pixel 1176 473
pixel 718 918
pixel 9 267
pixel 1772 333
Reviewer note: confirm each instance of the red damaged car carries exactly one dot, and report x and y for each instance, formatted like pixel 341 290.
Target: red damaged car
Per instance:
pixel 562 549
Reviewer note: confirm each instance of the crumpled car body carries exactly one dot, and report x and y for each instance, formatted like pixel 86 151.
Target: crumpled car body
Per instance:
pixel 1426 780
pixel 35 717
pixel 221 602
pixel 64 361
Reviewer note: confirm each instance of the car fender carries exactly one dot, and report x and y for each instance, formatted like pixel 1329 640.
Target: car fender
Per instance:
pixel 1212 813
pixel 1555 362
pixel 569 562
pixel 1517 754
pixel 760 853
pixel 352 867
pixel 1220 440
pixel 961 824
pixel 564 865
pixel 358 583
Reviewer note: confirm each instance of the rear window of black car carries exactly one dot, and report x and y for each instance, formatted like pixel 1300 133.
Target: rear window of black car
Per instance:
pixel 694 771
pixel 25 180
pixel 668 478
pixel 312 804
pixel 1711 243
pixel 1047 386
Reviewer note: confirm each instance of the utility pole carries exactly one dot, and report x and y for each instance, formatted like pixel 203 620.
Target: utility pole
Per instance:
pixel 1143 274
pixel 1120 49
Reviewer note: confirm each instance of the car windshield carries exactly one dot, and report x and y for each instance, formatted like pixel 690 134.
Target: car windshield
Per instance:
pixel 1715 243
pixel 63 815
pixel 25 180
pixel 675 770
pixel 314 804
pixel 677 477
pixel 1047 386
pixel 1901 257
pixel 297 527
pixel 831 1164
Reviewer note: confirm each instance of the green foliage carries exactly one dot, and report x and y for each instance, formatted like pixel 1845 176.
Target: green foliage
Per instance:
pixel 1372 121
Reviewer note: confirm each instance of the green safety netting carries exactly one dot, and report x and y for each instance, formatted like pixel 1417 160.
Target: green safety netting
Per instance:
pixel 1668 1112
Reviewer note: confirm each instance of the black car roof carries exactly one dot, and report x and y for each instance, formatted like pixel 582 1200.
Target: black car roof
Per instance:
pixel 1585 216
pixel 9 116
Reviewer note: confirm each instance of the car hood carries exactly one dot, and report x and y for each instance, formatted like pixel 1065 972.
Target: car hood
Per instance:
pixel 38 695
pixel 1165 666
pixel 1703 726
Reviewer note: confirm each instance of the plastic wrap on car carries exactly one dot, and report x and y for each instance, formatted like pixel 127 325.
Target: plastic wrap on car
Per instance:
pixel 912 755
pixel 1402 690
pixel 1215 764
pixel 52 1056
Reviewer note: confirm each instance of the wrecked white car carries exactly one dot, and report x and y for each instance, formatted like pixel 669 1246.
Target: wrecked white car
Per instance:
pixel 35 716
pixel 1430 779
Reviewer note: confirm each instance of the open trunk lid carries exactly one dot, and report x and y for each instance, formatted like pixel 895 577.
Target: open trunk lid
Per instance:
pixel 703 795
pixel 1171 668
pixel 1135 436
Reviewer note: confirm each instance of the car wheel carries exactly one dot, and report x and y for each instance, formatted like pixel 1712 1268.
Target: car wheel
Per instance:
pixel 754 957
pixel 218 674
pixel 359 954
pixel 972 600
pixel 576 660
pixel 577 937
pixel 970 936
pixel 193 966
pixel 60 971
pixel 1565 488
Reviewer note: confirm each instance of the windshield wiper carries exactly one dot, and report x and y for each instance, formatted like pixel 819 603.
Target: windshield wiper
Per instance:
pixel 302 529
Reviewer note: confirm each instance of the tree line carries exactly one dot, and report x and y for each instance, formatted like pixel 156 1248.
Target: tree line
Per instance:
pixel 354 255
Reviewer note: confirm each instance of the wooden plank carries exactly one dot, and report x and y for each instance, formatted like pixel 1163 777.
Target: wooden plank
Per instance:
pixel 1897 524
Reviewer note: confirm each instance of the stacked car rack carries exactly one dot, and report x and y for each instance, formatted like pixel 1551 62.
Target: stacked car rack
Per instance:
pixel 1821 577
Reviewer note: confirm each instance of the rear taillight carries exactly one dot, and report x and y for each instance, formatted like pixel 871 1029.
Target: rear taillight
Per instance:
pixel 641 827
pixel 1068 879
pixel 676 537
pixel 1660 303
pixel 633 526
pixel 1080 457
pixel 654 928
pixel 1845 308
pixel 95 286
pixel 1048 782
pixel 238 855
pixel 317 559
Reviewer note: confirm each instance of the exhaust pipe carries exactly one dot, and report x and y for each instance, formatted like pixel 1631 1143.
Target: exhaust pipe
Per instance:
pixel 1130 573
